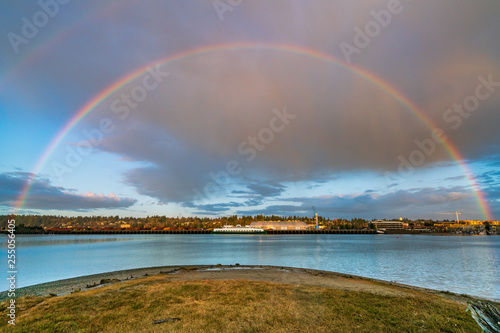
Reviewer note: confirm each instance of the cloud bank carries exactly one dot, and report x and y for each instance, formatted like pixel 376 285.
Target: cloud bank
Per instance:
pixel 43 195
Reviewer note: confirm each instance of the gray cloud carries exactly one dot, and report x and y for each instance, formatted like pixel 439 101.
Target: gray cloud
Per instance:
pixel 211 104
pixel 489 178
pixel 187 130
pixel 266 189
pixel 424 202
pixel 490 184
pixel 43 195
pixel 215 209
pixel 412 203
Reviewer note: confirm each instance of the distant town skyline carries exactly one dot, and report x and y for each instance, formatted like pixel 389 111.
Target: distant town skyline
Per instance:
pixel 375 110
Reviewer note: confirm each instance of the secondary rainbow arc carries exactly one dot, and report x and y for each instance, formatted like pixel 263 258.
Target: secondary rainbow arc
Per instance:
pixel 29 58
pixel 363 73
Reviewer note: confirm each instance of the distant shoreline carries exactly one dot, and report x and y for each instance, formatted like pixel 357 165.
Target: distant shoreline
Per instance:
pixel 269 232
pixel 182 232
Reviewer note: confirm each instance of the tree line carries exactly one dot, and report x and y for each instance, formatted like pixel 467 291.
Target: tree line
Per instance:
pixel 156 221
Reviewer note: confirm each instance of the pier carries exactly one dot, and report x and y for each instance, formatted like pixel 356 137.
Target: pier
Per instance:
pixel 182 232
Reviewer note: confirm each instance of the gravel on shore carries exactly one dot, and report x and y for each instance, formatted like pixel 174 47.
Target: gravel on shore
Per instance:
pixel 290 275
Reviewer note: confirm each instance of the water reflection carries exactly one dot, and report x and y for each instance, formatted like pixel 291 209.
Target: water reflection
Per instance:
pixel 467 265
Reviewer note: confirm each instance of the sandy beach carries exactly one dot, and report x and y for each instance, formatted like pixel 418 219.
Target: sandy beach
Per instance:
pixel 235 299
pixel 288 275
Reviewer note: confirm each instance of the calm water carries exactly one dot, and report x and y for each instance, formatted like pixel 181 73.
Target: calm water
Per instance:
pixel 468 265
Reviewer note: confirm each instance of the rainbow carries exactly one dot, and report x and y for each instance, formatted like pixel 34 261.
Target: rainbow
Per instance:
pixel 298 50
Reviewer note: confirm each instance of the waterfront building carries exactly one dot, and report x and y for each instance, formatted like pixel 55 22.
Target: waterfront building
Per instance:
pixel 390 224
pixel 229 229
pixel 282 225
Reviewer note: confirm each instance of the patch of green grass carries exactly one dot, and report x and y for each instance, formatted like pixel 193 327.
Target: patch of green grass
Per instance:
pixel 235 306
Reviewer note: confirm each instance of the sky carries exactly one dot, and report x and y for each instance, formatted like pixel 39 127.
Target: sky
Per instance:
pixel 373 109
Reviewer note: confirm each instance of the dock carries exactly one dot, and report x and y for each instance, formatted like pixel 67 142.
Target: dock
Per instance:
pixel 190 232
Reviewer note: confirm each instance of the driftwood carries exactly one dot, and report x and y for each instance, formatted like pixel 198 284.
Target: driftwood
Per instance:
pixel 103 281
pixel 486 315
pixel 160 321
pixel 170 272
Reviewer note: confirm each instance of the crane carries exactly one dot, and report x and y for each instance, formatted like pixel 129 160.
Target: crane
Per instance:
pixel 316 215
pixel 456 213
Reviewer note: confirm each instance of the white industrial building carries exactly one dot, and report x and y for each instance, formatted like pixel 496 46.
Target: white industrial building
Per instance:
pixel 281 225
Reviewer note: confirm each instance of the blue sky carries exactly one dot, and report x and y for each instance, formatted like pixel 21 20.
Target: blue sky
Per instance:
pixel 252 130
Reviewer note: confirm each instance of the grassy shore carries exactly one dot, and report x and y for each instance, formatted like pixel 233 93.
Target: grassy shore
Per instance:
pixel 243 300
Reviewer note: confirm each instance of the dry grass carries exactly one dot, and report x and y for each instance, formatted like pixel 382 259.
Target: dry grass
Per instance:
pixel 234 306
